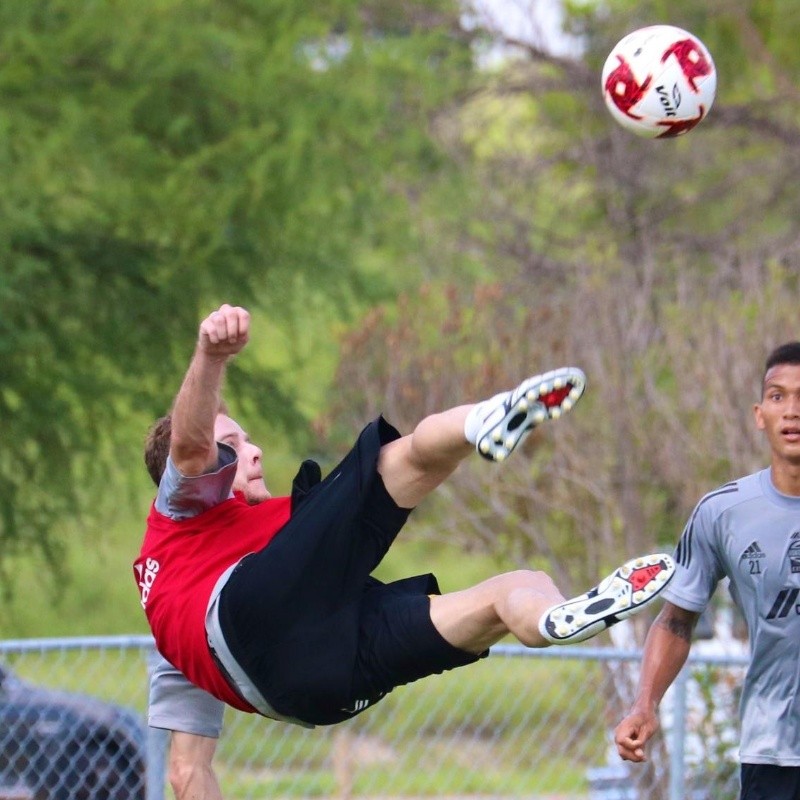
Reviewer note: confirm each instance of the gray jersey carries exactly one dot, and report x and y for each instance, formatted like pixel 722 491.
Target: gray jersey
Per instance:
pixel 174 702
pixel 177 705
pixel 748 531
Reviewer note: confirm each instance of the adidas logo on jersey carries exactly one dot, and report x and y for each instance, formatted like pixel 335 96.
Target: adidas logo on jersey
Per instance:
pixel 753 551
pixel 146 574
pixel 785 603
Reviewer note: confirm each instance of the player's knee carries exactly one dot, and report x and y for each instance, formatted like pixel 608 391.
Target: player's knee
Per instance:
pixel 532 579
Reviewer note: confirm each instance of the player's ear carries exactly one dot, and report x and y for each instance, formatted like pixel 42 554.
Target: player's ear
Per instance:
pixel 759 416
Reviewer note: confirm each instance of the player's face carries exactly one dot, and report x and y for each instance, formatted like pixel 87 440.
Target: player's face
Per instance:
pixel 778 413
pixel 249 478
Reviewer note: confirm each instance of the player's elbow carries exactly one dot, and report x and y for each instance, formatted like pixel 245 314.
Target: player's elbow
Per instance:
pixel 188 779
pixel 179 775
pixel 189 769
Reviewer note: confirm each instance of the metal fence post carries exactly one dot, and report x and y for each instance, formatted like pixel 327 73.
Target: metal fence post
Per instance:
pixel 157 744
pixel 677 754
pixel 156 763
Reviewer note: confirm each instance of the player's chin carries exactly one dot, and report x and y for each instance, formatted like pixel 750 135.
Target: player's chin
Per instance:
pixel 256 492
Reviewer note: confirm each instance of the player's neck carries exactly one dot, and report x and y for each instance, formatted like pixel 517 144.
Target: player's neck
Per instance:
pixel 786 477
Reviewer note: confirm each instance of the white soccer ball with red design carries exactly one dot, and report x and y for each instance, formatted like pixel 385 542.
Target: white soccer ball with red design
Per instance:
pixel 659 81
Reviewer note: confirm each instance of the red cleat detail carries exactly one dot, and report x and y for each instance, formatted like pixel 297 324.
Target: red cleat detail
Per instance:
pixel 640 577
pixel 556 397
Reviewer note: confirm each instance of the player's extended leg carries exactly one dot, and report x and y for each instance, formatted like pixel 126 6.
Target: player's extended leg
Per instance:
pixel 476 618
pixel 528 605
pixel 414 465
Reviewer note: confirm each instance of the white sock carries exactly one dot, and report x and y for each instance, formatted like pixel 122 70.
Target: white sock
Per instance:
pixel 479 413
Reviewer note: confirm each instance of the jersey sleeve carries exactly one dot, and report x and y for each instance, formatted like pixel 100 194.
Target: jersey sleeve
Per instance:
pixel 175 704
pixel 698 566
pixel 181 496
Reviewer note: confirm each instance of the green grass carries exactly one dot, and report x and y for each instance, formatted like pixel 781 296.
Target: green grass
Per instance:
pixel 505 726
pixel 415 781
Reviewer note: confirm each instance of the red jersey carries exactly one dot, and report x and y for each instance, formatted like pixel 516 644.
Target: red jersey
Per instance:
pixel 178 567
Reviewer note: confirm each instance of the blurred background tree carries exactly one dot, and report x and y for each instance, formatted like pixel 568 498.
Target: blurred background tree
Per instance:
pixel 160 157
pixel 419 205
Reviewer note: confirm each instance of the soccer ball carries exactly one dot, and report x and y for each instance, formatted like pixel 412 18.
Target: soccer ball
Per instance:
pixel 659 81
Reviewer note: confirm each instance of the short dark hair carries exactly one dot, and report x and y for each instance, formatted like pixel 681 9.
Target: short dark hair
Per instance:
pixel 788 353
pixel 156 446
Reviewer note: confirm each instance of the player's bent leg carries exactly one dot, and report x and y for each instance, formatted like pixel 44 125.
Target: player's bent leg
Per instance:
pixel 498 425
pixel 625 592
pixel 476 618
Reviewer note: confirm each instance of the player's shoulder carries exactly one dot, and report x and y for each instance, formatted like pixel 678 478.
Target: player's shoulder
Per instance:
pixel 731 494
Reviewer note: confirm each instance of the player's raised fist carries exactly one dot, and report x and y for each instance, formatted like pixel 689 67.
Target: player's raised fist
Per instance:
pixel 225 332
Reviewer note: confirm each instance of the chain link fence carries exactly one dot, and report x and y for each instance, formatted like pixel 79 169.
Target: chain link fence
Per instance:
pixel 519 724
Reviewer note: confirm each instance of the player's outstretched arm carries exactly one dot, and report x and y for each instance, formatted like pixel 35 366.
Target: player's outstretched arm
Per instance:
pixel 665 652
pixel 191 773
pixel 222 334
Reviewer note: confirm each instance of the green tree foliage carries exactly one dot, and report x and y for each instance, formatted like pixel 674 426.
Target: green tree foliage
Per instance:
pixel 162 156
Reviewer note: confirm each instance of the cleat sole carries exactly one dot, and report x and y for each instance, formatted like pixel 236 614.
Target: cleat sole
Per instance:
pixel 627 591
pixel 543 397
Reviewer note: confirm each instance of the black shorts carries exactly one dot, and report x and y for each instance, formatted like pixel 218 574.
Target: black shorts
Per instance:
pixel 770 782
pixel 320 638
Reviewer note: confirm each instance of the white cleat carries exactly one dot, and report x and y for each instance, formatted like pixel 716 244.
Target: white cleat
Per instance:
pixel 625 592
pixel 508 418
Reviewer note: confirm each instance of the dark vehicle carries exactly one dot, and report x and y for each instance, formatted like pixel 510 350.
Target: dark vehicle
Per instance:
pixel 61 746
